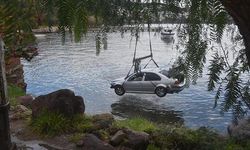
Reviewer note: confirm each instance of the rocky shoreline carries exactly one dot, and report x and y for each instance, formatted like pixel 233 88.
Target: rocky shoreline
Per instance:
pixel 99 132
pixel 67 104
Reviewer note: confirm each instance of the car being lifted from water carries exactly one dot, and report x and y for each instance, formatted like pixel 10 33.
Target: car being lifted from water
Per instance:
pixel 149 82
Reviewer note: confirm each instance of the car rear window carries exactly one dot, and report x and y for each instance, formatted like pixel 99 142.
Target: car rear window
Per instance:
pixel 136 77
pixel 152 77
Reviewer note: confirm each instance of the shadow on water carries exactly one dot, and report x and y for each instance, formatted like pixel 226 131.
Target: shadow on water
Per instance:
pixel 131 106
pixel 169 40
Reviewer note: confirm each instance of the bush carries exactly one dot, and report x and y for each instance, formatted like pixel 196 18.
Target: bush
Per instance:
pixel 51 124
pixel 188 139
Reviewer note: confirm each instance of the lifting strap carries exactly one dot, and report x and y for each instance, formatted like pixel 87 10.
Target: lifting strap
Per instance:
pixel 136 42
pixel 137 62
pixel 150 46
pixel 136 69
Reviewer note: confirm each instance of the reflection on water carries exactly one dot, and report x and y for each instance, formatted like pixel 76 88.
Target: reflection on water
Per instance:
pixel 101 42
pixel 130 106
pixel 169 40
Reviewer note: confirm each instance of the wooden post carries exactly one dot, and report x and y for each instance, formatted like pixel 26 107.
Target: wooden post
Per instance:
pixel 5 140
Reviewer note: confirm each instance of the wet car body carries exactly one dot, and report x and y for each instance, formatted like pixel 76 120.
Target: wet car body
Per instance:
pixel 148 82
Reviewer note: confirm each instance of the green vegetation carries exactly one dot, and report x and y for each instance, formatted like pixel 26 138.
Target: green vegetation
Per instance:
pixel 137 124
pixel 152 147
pixel 189 139
pixel 161 137
pixel 51 124
pixel 13 93
pixel 76 137
pixel 182 138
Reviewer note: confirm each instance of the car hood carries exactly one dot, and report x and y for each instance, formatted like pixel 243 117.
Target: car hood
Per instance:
pixel 119 80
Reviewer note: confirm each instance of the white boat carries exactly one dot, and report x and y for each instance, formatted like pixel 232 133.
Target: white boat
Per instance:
pixel 167 33
pixel 40 36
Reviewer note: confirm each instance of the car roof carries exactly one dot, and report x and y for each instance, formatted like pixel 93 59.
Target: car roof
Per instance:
pixel 155 72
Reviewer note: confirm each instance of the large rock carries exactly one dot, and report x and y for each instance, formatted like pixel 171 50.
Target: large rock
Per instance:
pixel 240 131
pixel 136 140
pixel 118 138
pixel 91 142
pixel 103 121
pixel 25 100
pixel 62 101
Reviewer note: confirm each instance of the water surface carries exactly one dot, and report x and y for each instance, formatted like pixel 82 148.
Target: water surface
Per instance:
pixel 79 67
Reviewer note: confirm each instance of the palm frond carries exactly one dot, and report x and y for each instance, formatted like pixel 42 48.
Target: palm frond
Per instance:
pixel 232 90
pixel 215 69
pixel 246 95
pixel 217 19
pixel 217 95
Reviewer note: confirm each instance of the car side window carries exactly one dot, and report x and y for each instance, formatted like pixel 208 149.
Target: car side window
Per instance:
pixel 152 77
pixel 136 77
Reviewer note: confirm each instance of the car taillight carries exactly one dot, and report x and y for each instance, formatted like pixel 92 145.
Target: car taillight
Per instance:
pixel 177 82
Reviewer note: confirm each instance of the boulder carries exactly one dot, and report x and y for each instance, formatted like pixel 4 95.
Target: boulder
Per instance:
pixel 240 131
pixel 136 140
pixel 62 101
pixel 91 142
pixel 103 121
pixel 118 138
pixel 25 100
pixel 19 112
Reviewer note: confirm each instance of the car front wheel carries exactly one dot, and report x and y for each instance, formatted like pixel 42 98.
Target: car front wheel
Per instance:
pixel 161 91
pixel 119 90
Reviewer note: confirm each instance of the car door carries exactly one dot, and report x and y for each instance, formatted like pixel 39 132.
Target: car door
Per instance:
pixel 150 82
pixel 133 83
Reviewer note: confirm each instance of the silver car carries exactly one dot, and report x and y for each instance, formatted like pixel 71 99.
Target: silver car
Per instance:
pixel 148 82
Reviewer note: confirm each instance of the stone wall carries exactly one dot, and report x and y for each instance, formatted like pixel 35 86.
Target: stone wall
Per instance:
pixel 14 72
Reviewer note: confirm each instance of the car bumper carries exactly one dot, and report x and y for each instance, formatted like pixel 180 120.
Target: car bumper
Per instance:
pixel 178 88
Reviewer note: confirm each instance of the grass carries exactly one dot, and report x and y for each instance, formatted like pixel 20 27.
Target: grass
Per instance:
pixel 76 137
pixel 52 124
pixel 137 124
pixel 152 147
pixel 203 138
pixel 13 93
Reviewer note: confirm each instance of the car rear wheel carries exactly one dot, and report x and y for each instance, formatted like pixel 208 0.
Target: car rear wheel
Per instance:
pixel 161 91
pixel 119 90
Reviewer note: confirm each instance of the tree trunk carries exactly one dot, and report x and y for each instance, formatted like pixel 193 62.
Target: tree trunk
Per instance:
pixel 5 141
pixel 240 12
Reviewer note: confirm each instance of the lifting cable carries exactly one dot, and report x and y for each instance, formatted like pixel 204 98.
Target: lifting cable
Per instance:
pixel 135 51
pixel 136 42
pixel 150 46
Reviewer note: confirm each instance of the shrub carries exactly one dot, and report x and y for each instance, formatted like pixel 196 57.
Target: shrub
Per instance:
pixel 51 124
pixel 186 139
